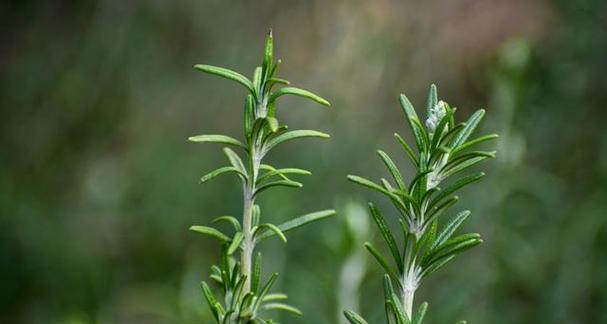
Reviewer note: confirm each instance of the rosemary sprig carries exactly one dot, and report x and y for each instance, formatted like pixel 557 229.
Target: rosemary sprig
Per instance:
pixel 443 150
pixel 244 296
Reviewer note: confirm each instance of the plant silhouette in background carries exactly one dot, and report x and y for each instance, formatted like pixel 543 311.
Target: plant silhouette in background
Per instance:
pixel 246 296
pixel 443 151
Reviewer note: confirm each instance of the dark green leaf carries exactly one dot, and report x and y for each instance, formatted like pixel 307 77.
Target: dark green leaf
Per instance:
pixel 451 227
pixel 471 124
pixel 272 228
pixel 398 178
pixel 382 261
pixel 387 235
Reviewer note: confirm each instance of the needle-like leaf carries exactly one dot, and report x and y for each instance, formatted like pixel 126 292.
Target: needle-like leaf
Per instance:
pixel 300 93
pixel 226 73
pixel 221 139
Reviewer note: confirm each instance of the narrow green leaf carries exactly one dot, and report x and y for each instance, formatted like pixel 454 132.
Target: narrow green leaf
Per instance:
pixel 257 79
pixel 451 227
pixel 273 124
pixel 221 139
pixel 471 124
pixel 256 273
pixel 436 266
pixel 288 136
pixel 418 130
pixel 235 244
pixel 354 318
pixel 438 210
pixel 275 297
pixel 220 171
pixel 462 166
pixel 452 188
pixel 226 73
pixel 382 261
pixel 278 183
pixel 421 313
pixel 474 142
pixel 298 92
pixel 268 54
pixel 387 235
pixel 249 116
pixel 270 227
pixel 432 99
pixel 407 149
pixel 230 219
pixel 396 175
pixel 211 300
pixel 264 291
pixel 283 307
pixel 299 221
pixel 282 173
pixel 211 232
pixel 235 160
pixel 272 81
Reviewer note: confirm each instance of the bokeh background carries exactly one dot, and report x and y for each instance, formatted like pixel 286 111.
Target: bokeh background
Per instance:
pixel 98 184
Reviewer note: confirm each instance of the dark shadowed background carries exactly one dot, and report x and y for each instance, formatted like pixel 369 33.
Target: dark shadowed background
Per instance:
pixel 98 184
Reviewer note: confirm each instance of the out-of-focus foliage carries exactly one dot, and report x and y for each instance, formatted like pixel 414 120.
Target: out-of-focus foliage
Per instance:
pixel 96 188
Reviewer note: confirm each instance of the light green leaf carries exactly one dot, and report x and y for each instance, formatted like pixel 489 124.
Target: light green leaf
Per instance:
pixel 275 297
pixel 268 54
pixel 282 172
pixel 283 307
pixel 421 313
pixel 221 139
pixel 471 124
pixel 279 183
pixel 287 136
pixel 299 221
pixel 256 273
pixel 432 99
pixel 474 142
pixel 235 243
pixel 220 171
pixel 211 232
pixel 460 183
pixel 451 227
pixel 272 228
pixel 235 160
pixel 298 92
pixel 354 318
pixel 230 219
pixel 226 73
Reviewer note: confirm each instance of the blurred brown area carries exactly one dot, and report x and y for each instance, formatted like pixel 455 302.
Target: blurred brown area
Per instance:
pixel 98 185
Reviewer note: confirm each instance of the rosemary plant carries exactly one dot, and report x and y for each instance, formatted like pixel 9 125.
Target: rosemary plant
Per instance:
pixel 244 296
pixel 443 151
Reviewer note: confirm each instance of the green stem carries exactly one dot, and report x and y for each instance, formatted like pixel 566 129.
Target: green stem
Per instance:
pixel 248 244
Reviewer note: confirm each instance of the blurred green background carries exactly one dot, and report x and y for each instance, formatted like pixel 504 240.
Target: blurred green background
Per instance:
pixel 98 184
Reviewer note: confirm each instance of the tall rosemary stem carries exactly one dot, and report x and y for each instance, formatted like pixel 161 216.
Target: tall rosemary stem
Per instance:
pixel 248 244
